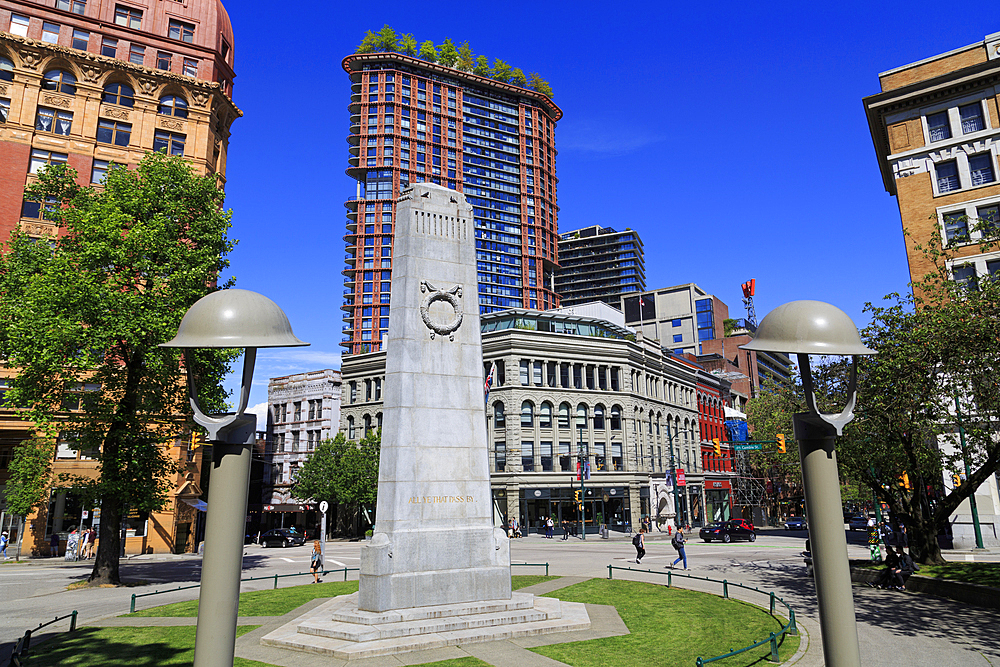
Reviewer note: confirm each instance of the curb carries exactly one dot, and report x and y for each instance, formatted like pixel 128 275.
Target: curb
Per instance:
pixel 978 595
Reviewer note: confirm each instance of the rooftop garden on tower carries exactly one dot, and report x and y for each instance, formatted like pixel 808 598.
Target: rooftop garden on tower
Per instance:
pixel 447 54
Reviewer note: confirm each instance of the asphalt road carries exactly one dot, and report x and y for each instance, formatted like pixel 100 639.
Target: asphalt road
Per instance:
pixel 894 628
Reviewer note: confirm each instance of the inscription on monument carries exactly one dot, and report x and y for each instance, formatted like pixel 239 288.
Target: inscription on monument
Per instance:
pixel 416 500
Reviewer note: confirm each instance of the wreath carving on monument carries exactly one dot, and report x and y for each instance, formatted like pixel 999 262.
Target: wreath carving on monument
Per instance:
pixel 451 297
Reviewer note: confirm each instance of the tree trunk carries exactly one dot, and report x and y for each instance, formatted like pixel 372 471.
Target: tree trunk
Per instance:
pixel 109 547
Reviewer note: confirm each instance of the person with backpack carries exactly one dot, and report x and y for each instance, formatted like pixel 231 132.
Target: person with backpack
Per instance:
pixel 678 544
pixel 639 542
pixel 4 540
pixel 316 562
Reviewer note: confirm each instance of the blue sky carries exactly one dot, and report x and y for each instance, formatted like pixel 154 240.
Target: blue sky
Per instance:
pixel 730 135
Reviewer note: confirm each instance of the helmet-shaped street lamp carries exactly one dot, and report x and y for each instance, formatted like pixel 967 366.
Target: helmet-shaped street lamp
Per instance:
pixel 231 318
pixel 814 327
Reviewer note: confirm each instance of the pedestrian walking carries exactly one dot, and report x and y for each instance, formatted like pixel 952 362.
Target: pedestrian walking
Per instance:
pixel 639 542
pixel 4 540
pixel 565 527
pixel 316 562
pixel 84 542
pixel 678 543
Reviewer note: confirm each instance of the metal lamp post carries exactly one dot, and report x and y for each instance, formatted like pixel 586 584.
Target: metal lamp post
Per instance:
pixel 804 328
pixel 227 319
pixel 673 473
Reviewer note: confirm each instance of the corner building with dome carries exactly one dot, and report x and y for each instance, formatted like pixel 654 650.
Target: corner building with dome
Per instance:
pixel 92 83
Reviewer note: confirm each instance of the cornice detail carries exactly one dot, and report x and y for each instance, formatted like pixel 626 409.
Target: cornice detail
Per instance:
pixel 32 52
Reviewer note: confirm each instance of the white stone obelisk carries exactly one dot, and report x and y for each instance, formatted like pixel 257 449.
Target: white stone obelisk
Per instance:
pixel 434 541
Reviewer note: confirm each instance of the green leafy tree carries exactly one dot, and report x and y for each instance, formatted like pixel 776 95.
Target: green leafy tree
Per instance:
pixel 538 84
pixel 448 55
pixel 408 45
pixel 482 66
pixel 342 471
pixel 517 78
pixel 370 43
pixel 501 71
pixel 466 60
pixel 387 39
pixel 29 476
pixel 428 52
pixel 82 319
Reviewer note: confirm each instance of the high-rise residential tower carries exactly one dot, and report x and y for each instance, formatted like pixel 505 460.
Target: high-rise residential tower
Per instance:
pixel 415 121
pixel 599 264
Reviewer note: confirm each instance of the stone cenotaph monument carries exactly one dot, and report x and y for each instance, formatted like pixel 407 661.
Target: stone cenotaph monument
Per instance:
pixel 434 541
pixel 437 571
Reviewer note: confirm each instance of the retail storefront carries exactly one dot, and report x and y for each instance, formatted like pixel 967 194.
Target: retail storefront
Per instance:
pixel 601 505
pixel 718 500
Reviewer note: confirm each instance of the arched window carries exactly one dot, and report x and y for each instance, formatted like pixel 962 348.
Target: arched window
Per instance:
pixel 172 105
pixel 650 423
pixel 378 420
pixel 60 81
pixel 658 417
pixel 499 419
pixel 120 94
pixel 598 417
pixel 616 418
pixel 581 415
pixel 6 69
pixel 527 414
pixel 545 415
pixel 350 429
pixel 564 415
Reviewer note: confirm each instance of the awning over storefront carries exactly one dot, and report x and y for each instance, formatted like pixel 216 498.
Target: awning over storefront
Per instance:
pixel 733 413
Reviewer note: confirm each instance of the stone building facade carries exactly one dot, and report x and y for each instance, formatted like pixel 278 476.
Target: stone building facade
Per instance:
pixel 92 83
pixel 570 389
pixel 304 410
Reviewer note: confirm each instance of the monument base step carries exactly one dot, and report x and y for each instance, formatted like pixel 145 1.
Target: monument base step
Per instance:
pixel 328 630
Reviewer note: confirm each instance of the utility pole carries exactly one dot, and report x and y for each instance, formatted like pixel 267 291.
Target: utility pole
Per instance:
pixel 581 462
pixel 673 473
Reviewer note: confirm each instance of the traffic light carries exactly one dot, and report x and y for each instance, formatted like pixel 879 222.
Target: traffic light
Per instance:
pixel 197 439
pixel 956 480
pixel 781 442
pixel 718 447
pixel 904 481
pixel 576 494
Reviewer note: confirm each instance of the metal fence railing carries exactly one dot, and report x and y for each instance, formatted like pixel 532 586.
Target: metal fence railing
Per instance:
pixel 24 643
pixel 788 628
pixel 545 565
pixel 275 577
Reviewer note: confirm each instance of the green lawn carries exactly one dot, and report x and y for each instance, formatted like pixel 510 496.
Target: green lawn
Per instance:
pixel 93 647
pixel 669 626
pixel 519 581
pixel 985 574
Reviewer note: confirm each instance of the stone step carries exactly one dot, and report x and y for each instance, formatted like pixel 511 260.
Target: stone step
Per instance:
pixel 358 632
pixel 351 614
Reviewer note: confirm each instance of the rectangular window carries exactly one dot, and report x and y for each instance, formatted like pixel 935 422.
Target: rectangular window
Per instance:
pixel 678 338
pixel 500 456
pixel 75 6
pixel 536 374
pixel 163 60
pixel 956 227
pixel 965 275
pixel 40 158
pixel 564 458
pixel 171 142
pixel 4 109
pixel 137 54
pixel 50 32
pixel 947 176
pixel 113 132
pixel 981 169
pixel 109 47
pixel 527 456
pixel 81 39
pixel 19 25
pixel 130 17
pixel 524 372
pixel 546 456
pixel 989 220
pixel 297 406
pixel 180 30
pixel 190 67
pixel 98 171
pixel 50 120
pixel 676 323
pixel 993 269
pixel 938 128
pixel 972 117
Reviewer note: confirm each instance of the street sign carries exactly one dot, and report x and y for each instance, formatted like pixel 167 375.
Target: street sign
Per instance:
pixel 324 506
pixel 746 447
pixel 681 479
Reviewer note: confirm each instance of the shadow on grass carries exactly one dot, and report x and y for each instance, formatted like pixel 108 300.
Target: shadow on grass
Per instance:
pixel 91 647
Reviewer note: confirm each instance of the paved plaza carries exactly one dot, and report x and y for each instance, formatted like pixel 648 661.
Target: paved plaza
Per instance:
pixel 894 628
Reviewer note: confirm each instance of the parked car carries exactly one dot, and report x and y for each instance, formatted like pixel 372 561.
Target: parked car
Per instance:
pixel 795 523
pixel 282 537
pixel 858 523
pixel 727 531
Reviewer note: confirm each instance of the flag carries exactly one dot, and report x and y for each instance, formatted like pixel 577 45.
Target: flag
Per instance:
pixel 578 472
pixel 489 380
pixel 586 470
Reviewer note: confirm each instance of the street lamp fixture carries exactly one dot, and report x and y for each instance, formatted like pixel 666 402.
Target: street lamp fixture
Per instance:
pixel 813 327
pixel 227 319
